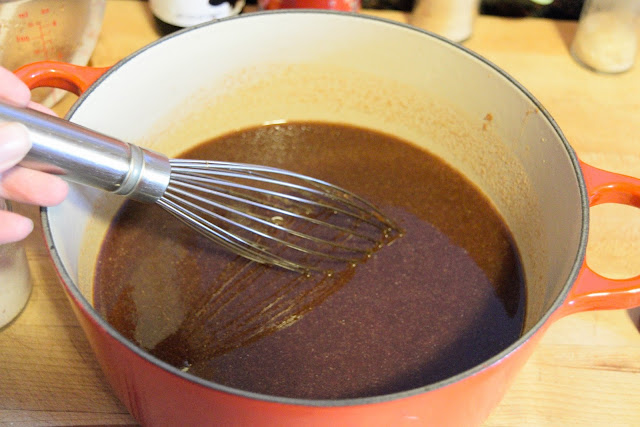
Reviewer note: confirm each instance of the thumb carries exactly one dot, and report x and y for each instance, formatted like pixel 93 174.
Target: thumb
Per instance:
pixel 14 144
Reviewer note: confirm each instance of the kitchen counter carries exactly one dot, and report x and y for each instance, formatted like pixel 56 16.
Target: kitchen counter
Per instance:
pixel 586 370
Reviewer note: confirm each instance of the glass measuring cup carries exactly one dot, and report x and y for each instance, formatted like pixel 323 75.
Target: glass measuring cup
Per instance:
pixel 38 30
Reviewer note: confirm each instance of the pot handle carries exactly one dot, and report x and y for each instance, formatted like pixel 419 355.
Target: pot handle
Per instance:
pixel 61 75
pixel 592 291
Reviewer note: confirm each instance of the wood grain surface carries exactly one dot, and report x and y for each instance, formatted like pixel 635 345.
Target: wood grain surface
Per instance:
pixel 586 370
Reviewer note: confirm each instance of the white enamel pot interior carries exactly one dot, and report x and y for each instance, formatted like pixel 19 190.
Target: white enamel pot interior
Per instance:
pixel 343 68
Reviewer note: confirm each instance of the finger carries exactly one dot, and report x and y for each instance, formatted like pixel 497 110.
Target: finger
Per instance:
pixel 16 92
pixel 14 144
pixel 34 187
pixel 13 89
pixel 41 108
pixel 14 227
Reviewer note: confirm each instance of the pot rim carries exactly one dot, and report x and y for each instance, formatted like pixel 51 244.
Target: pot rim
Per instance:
pixel 79 298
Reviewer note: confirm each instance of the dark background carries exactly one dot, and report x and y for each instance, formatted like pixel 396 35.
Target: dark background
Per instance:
pixel 558 9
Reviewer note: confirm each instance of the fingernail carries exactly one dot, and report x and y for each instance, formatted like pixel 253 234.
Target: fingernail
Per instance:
pixel 14 144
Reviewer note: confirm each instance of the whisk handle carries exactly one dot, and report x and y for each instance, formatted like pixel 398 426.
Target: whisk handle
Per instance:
pixel 90 158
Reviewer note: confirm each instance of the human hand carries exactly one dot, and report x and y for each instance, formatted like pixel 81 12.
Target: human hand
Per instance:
pixel 17 183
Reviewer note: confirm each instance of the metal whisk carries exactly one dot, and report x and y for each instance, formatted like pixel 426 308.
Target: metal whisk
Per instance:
pixel 265 214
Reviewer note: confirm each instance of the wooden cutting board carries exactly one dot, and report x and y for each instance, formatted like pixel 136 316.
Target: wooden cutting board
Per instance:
pixel 586 370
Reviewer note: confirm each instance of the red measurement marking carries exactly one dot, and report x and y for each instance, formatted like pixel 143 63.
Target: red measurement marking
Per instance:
pixel 43 40
pixel 54 23
pixel 44 10
pixel 22 39
pixel 23 15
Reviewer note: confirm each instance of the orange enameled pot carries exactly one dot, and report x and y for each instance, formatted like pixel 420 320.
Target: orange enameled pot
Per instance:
pixel 336 67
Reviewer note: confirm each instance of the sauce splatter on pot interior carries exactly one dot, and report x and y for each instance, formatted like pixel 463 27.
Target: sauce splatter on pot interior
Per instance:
pixel 447 295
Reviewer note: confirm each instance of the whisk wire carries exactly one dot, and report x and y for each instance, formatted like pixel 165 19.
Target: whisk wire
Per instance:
pixel 204 178
pixel 269 224
pixel 275 216
pixel 262 234
pixel 261 173
pixel 221 192
pixel 230 241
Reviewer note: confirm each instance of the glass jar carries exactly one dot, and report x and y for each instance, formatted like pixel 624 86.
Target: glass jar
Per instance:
pixel 607 35
pixel 453 19
pixel 15 280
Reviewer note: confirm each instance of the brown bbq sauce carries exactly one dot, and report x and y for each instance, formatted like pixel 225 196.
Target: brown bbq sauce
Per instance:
pixel 446 296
